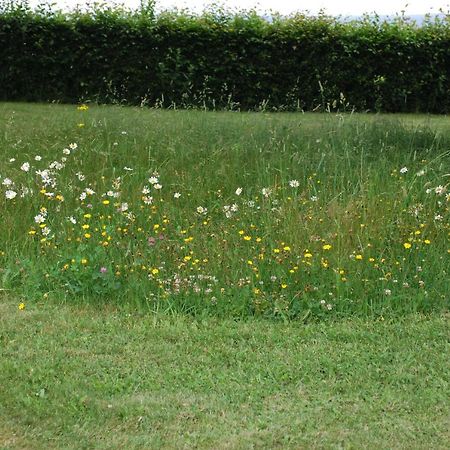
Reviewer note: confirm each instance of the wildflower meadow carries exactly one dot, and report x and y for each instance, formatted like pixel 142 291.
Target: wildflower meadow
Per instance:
pixel 211 280
pixel 292 216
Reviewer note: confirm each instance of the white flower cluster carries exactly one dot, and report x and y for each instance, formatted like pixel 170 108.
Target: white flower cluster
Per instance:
pixel 229 210
pixel 147 189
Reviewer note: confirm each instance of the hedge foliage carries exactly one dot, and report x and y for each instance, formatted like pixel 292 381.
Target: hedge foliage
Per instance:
pixel 223 60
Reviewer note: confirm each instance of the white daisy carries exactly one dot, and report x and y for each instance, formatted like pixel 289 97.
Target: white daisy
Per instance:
pixel 10 195
pixel 266 192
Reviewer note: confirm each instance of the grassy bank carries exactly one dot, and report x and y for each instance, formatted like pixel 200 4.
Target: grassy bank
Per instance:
pixel 86 377
pixel 226 214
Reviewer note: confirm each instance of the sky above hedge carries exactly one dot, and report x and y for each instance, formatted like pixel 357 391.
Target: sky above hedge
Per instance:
pixel 334 7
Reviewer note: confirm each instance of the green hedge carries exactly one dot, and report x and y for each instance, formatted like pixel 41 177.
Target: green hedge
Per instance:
pixel 222 60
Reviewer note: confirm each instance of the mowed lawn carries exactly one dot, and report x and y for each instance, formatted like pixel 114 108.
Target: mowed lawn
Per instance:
pixel 84 377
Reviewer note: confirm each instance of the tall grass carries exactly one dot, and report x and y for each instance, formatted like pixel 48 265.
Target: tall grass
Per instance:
pixel 230 214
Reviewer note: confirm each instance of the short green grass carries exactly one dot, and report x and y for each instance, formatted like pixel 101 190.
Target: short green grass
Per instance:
pixel 290 216
pixel 77 377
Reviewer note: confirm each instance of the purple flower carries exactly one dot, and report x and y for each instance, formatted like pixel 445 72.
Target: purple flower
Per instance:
pixel 103 270
pixel 151 241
